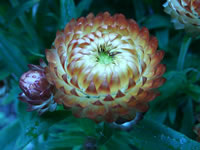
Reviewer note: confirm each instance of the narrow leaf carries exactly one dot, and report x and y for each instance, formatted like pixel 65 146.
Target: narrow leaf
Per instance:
pixel 156 21
pixel 67 12
pixel 151 135
pixel 9 135
pixel 19 10
pixel 83 5
pixel 34 125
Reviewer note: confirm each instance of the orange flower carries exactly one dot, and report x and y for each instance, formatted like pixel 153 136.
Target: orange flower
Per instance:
pixel 185 14
pixel 105 67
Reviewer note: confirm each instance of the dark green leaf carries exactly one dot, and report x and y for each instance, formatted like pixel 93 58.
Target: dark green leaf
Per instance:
pixel 19 10
pixel 4 74
pixel 88 126
pixel 67 12
pixel 157 114
pixel 139 9
pixel 34 125
pixel 29 28
pixel 156 21
pixel 66 141
pixel 193 91
pixel 188 119
pixel 12 56
pixel 105 134
pixel 151 135
pixel 9 135
pixel 83 6
pixel 163 38
pixel 183 51
pixel 172 113
pixel 118 143
pixel 176 82
pixel 12 95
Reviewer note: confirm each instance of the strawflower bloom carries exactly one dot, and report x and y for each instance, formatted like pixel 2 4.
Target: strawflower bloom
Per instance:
pixel 105 67
pixel 37 92
pixel 185 14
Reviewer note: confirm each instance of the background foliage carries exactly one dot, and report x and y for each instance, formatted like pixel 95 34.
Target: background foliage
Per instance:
pixel 28 27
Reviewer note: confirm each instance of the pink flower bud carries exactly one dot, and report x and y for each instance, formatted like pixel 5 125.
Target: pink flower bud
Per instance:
pixel 37 91
pixel 35 85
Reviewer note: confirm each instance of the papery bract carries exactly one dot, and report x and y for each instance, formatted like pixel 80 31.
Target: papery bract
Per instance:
pixel 105 67
pixel 185 14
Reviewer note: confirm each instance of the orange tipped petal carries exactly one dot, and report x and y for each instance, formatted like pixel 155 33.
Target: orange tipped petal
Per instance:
pixel 105 67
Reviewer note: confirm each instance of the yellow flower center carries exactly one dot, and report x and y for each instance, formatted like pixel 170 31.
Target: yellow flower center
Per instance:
pixel 105 56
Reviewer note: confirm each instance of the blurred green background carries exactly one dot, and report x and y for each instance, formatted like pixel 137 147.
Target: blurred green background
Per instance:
pixel 28 27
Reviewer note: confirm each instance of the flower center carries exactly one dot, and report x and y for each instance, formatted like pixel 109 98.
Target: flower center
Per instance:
pixel 104 56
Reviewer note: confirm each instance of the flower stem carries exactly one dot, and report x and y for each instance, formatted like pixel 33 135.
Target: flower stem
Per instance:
pixel 127 126
pixel 183 51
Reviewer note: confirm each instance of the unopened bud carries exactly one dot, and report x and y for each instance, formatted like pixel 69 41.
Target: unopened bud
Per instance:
pixel 37 91
pixel 35 85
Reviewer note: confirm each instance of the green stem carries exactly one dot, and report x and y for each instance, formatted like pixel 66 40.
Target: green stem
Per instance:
pixel 127 126
pixel 183 51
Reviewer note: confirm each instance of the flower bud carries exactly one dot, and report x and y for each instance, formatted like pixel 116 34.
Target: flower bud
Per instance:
pixel 34 85
pixel 37 91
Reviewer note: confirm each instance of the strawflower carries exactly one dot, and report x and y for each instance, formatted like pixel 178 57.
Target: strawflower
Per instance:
pixel 185 14
pixel 105 67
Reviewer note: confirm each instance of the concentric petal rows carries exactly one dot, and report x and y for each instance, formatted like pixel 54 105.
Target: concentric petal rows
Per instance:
pixel 185 14
pixel 105 91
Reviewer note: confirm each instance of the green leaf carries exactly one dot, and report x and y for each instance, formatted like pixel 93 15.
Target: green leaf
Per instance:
pixel 4 74
pixel 105 134
pixel 156 21
pixel 163 38
pixel 193 91
pixel 156 113
pixel 28 27
pixel 83 6
pixel 187 123
pixel 193 74
pixel 151 135
pixel 12 56
pixel 118 143
pixel 88 126
pixel 34 125
pixel 66 141
pixel 12 95
pixel 19 10
pixel 9 135
pixel 37 54
pixel 103 147
pixel 67 12
pixel 183 51
pixel 172 113
pixel 176 82
pixel 139 9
